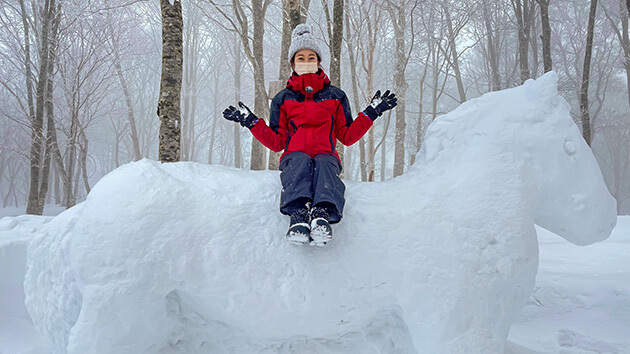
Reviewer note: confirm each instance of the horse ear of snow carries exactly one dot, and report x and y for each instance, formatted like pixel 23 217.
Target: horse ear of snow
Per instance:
pixel 186 257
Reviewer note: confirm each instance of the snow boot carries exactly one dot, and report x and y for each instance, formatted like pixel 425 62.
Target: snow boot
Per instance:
pixel 300 228
pixel 321 231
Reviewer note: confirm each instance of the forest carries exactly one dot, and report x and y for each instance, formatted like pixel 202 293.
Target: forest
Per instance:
pixel 80 80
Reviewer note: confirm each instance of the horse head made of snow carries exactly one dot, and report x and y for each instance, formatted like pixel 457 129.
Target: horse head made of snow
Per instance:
pixel 191 258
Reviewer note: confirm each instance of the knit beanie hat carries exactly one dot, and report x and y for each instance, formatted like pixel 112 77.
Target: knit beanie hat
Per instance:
pixel 301 38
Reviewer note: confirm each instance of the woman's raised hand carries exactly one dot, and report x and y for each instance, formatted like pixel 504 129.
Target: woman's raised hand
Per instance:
pixel 242 115
pixel 380 104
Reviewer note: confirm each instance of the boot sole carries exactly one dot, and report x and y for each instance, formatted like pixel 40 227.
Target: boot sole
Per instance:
pixel 297 237
pixel 320 233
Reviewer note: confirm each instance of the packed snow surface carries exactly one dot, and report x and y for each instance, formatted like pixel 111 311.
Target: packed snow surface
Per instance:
pixel 190 258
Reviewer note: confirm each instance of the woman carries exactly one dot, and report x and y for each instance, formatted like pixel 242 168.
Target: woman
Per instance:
pixel 307 118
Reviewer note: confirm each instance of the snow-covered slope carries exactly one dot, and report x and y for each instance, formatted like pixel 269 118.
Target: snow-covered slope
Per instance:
pixel 16 328
pixel 191 258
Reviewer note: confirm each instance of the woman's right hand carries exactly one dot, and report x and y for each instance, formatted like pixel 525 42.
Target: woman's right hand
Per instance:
pixel 244 115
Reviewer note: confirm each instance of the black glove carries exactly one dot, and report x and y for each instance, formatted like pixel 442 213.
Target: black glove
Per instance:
pixel 380 104
pixel 243 115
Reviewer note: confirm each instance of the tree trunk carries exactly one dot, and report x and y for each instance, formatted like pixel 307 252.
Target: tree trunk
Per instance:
pixel 56 184
pixel 454 56
pixel 66 181
pixel 83 158
pixel 625 44
pixel 523 22
pixel 369 71
pixel 421 109
pixel 546 34
pixel 37 124
pixel 171 82
pixel 495 82
pixel 238 153
pixel 399 16
pixel 261 100
pixel 586 123
pixel 123 83
pixel 49 108
pixel 384 156
pixel 130 115
pixel 71 154
pixel 335 31
pixel 189 86
pixel 27 62
pixel 215 121
pixel 355 96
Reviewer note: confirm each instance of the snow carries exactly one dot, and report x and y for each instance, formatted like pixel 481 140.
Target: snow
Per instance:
pixel 568 282
pixel 17 334
pixel 191 258
pixel 581 302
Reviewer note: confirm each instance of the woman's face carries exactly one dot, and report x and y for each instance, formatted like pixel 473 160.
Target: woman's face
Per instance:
pixel 305 61
pixel 305 56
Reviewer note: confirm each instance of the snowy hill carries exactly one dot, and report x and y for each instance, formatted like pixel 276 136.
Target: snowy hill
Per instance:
pixel 191 258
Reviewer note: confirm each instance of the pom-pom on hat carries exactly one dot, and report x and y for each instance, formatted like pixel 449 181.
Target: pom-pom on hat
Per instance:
pixel 302 38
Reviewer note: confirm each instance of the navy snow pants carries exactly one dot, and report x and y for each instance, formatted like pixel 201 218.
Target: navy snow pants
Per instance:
pixel 314 179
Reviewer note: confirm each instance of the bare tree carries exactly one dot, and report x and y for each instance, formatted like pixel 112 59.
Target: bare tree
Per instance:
pixel 39 160
pixel 546 34
pixel 453 55
pixel 584 107
pixel 367 20
pixel 253 48
pixel 335 36
pixel 115 45
pixel 621 32
pixel 612 150
pixel 351 38
pixel 237 97
pixel 398 14
pixel 171 83
pixel 523 10
pixel 419 123
pixel 492 49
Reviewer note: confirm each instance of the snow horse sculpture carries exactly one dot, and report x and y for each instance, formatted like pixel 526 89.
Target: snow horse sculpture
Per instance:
pixel 191 258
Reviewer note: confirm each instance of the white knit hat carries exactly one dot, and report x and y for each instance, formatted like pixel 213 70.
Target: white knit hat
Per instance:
pixel 302 38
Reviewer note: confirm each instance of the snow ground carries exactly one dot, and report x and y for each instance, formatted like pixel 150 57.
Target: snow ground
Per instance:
pixel 581 303
pixel 49 210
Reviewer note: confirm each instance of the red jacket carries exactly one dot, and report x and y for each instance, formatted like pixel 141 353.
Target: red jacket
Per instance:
pixel 310 115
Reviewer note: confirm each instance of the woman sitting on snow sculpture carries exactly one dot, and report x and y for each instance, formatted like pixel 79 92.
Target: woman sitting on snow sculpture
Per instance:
pixel 307 118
